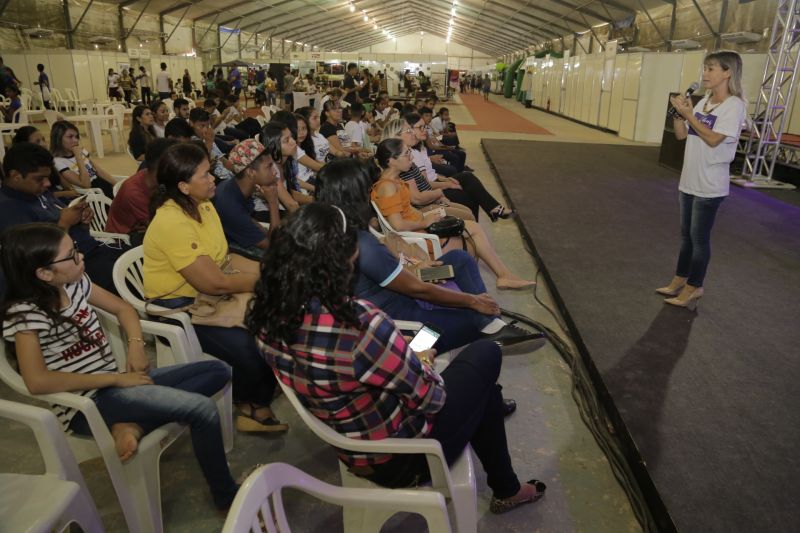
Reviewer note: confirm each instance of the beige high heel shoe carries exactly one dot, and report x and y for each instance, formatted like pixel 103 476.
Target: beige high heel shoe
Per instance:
pixel 674 287
pixel 687 299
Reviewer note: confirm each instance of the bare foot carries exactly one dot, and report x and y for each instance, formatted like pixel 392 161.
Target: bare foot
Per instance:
pixel 513 283
pixel 126 439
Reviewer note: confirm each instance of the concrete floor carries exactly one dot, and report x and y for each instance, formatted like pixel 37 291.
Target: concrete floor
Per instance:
pixel 546 436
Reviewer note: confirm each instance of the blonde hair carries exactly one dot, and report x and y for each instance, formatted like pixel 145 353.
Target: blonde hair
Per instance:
pixel 729 61
pixel 392 128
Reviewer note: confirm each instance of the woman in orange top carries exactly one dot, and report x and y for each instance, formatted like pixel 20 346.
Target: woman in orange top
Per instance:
pixel 393 197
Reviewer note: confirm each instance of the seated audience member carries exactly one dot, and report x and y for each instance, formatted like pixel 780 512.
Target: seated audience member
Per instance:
pixel 354 370
pixel 462 315
pixel 441 125
pixel 130 210
pixel 45 271
pixel 29 134
pixel 220 166
pixel 424 196
pixel 464 187
pixel 282 148
pixel 72 161
pixel 353 129
pixel 307 165
pixel 333 130
pixel 12 93
pixel 25 197
pixel 181 106
pixel 185 252
pixel 160 117
pixel 301 163
pixel 393 197
pixel 255 173
pixel 32 135
pixel 179 129
pixel 142 131
pixel 322 147
pixel 447 161
pixel 383 112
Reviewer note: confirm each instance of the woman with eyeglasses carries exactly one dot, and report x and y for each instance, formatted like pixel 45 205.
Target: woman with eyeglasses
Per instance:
pixel 59 345
pixel 392 195
pixel 353 369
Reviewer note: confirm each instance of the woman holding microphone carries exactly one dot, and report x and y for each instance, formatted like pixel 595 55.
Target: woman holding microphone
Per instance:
pixel 711 130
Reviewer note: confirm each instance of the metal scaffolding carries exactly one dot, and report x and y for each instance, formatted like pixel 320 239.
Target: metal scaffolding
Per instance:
pixel 774 103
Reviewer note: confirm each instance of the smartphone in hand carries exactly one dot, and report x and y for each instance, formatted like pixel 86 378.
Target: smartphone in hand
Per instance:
pixel 425 338
pixel 77 200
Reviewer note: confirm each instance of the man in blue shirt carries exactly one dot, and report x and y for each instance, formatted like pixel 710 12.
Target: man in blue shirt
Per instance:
pixel 25 197
pixel 254 173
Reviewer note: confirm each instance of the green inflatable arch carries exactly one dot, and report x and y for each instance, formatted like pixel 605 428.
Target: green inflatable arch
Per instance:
pixel 508 87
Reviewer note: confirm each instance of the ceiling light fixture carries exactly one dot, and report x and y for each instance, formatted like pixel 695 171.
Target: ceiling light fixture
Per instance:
pixel 352 7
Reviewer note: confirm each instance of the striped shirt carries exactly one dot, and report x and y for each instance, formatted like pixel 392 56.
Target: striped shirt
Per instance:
pixel 62 348
pixel 417 176
pixel 364 383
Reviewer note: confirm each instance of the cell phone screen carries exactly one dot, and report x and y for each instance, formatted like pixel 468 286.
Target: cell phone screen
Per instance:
pixel 424 339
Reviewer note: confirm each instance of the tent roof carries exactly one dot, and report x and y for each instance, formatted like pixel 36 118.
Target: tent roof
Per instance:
pixel 493 27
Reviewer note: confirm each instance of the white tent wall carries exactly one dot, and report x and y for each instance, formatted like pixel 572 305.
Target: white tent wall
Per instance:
pixel 627 93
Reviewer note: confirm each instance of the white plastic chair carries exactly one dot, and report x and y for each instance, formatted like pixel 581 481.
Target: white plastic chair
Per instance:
pixel 137 481
pixel 55 499
pixel 456 483
pixel 118 184
pixel 100 204
pixel 77 104
pixel 129 282
pixel 50 116
pixel 58 101
pixel 420 239
pixel 266 112
pixel 259 500
pixel 113 126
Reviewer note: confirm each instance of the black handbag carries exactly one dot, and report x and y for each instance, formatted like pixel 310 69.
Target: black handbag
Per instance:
pixel 448 226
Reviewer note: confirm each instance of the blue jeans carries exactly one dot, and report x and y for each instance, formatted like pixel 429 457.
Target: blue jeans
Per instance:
pixel 253 380
pixel 697 219
pixel 180 393
pixel 459 326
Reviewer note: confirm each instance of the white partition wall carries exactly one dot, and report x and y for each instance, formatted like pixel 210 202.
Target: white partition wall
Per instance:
pixel 661 74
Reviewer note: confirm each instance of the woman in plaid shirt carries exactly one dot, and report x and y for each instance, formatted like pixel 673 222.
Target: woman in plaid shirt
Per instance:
pixel 353 369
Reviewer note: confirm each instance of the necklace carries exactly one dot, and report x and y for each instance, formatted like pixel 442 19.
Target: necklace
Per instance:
pixel 708 107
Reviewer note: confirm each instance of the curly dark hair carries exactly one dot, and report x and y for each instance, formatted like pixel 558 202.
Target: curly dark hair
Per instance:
pixel 309 258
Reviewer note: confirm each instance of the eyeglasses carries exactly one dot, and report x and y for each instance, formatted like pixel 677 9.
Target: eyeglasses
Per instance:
pixel 73 256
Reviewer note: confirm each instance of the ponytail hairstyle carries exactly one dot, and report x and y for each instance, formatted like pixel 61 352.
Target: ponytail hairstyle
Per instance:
pixel 391 148
pixel 327 106
pixel 392 128
pixel 729 61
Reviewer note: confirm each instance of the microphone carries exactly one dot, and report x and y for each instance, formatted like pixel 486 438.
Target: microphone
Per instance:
pixel 672 112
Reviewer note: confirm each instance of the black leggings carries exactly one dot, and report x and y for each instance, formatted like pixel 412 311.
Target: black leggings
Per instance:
pixel 472 414
pixel 472 194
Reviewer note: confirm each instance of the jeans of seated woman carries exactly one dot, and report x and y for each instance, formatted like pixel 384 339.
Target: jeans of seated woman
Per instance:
pixel 472 414
pixel 459 326
pixel 180 393
pixel 253 380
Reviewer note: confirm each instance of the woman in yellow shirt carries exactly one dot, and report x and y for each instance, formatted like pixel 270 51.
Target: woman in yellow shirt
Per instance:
pixel 184 253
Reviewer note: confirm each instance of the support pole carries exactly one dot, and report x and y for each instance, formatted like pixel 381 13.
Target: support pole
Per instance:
pixel 86 10
pixel 653 22
pixel 136 22
pixel 123 38
pixel 672 21
pixel 176 25
pixel 68 24
pixel 723 14
pixel 161 35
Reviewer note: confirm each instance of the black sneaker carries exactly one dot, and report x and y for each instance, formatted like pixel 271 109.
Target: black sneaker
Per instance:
pixel 511 334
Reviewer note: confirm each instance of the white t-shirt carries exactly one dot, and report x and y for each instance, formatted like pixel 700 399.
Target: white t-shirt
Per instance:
pixel 303 172
pixel 162 82
pixel 355 132
pixel 321 146
pixel 160 130
pixel 438 125
pixel 70 163
pixel 706 170
pixel 220 129
pixel 62 348
pixel 421 159
pixel 144 81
